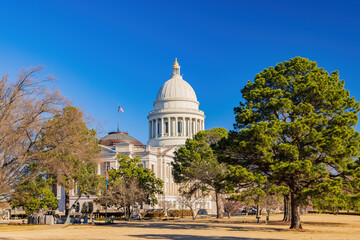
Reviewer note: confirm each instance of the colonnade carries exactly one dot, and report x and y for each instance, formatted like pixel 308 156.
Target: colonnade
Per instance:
pixel 174 127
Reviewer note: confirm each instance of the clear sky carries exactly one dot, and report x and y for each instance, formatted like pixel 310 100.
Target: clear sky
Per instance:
pixel 105 53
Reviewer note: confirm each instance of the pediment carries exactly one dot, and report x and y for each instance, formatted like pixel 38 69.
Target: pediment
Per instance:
pixel 106 150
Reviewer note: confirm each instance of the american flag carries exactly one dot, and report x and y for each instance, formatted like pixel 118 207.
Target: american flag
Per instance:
pixel 120 109
pixel 107 178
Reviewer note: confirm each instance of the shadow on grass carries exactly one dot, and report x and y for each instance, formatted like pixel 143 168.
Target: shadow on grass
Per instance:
pixel 325 224
pixel 194 237
pixel 196 226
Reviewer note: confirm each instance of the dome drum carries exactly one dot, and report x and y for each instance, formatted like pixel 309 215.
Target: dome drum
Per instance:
pixel 176 103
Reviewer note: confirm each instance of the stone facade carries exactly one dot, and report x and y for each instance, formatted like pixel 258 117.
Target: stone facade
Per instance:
pixel 176 117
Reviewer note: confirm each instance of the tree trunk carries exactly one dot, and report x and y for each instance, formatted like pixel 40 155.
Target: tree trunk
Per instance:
pixel 228 214
pixel 257 210
pixel 67 221
pixel 295 213
pixel 127 212
pixel 218 205
pixel 193 213
pixel 67 202
pixel 287 208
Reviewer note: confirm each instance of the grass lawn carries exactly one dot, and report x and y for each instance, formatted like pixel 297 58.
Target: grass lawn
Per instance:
pixel 316 226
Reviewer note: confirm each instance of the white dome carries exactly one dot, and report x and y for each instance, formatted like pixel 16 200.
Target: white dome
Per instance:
pixel 176 115
pixel 176 89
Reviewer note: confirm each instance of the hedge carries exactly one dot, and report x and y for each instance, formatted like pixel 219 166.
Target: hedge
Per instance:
pixel 101 216
pixel 179 213
pixel 155 214
pixel 330 212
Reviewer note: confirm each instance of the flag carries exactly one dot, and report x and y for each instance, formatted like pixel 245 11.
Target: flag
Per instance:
pixel 107 179
pixel 120 109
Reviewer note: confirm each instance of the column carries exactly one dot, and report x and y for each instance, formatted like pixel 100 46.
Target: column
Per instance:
pixel 188 129
pixel 169 168
pixel 162 127
pixel 152 128
pixel 195 126
pixel 176 126
pixel 165 173
pixel 203 124
pixel 170 127
pixel 156 129
pixel 149 129
pixel 183 127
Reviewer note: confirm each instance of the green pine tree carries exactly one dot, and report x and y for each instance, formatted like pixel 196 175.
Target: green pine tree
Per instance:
pixel 296 127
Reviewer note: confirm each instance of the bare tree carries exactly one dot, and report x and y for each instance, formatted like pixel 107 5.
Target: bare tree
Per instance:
pixel 25 105
pixel 194 200
pixel 166 205
pixel 126 195
pixel 271 202
pixel 230 206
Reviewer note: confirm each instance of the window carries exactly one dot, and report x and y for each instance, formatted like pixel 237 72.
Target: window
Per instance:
pixel 166 127
pixel 77 207
pixel 107 166
pixel 152 168
pixel 179 127
pixel 159 129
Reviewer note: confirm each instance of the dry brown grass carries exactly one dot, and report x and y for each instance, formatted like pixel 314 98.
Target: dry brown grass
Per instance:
pixel 315 227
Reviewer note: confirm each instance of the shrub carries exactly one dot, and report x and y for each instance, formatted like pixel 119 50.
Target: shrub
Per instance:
pixel 179 213
pixel 155 214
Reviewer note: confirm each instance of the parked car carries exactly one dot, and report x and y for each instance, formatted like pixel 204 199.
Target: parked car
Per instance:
pixel 253 211
pixel 202 212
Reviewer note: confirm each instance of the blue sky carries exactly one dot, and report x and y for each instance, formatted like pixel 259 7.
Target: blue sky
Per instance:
pixel 105 53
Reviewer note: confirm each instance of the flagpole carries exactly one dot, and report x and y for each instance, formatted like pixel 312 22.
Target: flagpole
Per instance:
pixel 118 118
pixel 106 205
pixel 106 197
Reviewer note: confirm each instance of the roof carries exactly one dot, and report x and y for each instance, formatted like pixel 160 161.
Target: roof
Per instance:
pixel 176 87
pixel 114 138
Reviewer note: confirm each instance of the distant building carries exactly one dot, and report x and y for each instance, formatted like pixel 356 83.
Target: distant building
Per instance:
pixel 176 117
pixel 5 210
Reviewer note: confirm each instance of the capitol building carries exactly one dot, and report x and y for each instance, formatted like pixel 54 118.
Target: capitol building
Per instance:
pixel 175 117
